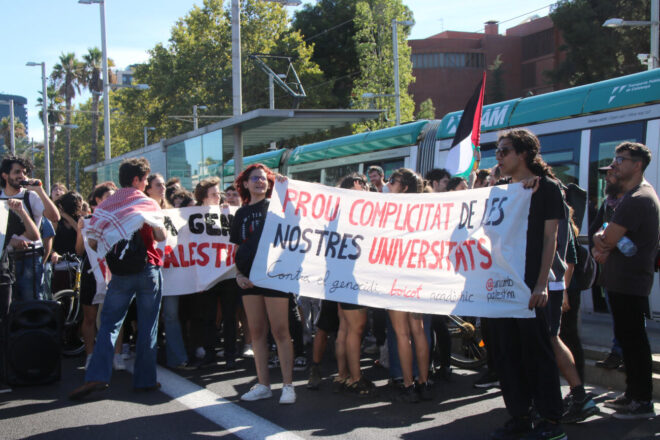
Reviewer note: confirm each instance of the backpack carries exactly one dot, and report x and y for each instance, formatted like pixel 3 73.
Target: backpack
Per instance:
pixel 127 257
pixel 584 274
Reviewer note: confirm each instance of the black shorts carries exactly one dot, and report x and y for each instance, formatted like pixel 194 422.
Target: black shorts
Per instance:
pixel 328 317
pixel 553 311
pixel 87 288
pixel 347 306
pixel 268 293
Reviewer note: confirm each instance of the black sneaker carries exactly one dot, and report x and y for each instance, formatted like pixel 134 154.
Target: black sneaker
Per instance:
pixel 611 362
pixel 338 385
pixel 616 404
pixel 409 394
pixel 443 373
pixel 487 380
pixel 545 430
pixel 635 410
pixel 578 410
pixel 513 429
pixel 425 390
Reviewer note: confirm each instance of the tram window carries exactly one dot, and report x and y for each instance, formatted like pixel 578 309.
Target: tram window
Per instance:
pixel 332 175
pixel 562 152
pixel 601 152
pixel 313 176
pixel 488 156
pixel 387 166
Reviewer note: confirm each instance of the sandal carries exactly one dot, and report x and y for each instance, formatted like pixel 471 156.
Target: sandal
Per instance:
pixel 339 384
pixel 362 387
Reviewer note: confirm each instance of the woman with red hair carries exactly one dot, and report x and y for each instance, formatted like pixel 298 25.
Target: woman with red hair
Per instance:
pixel 262 306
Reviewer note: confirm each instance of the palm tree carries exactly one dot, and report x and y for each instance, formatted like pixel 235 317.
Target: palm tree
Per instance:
pixel 55 115
pixel 92 71
pixel 69 76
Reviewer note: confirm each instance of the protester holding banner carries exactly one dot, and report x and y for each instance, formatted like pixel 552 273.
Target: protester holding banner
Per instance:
pixel 526 363
pixel 408 324
pixel 125 228
pixel 262 306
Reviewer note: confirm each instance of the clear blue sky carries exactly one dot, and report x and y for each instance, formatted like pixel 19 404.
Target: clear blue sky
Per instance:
pixel 41 30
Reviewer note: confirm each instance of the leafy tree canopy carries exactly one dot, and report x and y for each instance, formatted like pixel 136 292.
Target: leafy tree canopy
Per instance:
pixel 596 53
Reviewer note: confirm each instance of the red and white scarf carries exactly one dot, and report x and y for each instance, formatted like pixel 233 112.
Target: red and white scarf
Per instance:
pixel 120 215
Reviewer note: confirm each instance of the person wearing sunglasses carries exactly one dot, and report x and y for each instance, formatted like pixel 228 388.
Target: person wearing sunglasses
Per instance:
pixel 262 306
pixel 528 372
pixel 628 279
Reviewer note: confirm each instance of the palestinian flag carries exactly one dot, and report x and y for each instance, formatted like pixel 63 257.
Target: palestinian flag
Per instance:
pixel 464 153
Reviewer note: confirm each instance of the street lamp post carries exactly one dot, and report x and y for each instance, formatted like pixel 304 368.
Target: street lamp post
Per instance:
pixel 106 78
pixel 654 60
pixel 395 45
pixel 44 115
pixel 146 141
pixel 236 72
pixel 195 119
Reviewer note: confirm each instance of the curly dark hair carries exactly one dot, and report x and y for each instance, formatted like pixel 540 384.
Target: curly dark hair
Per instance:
pixel 637 152
pixel 185 196
pixel 70 203
pixel 245 175
pixel 8 162
pixel 347 182
pixel 524 141
pixel 131 168
pixel 409 179
pixel 99 191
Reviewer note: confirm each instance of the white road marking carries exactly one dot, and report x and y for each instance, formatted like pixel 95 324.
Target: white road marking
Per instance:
pixel 235 419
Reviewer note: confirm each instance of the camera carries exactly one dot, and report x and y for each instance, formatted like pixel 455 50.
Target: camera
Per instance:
pixel 30 183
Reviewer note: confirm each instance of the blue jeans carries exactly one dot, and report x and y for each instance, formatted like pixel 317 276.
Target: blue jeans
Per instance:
pixel 174 347
pixel 146 287
pixel 29 278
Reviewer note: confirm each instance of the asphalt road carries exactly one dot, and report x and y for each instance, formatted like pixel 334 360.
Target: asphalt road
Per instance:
pixel 205 404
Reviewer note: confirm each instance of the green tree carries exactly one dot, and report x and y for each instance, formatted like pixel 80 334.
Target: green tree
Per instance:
pixel 595 53
pixel 69 76
pixel 329 26
pixel 426 110
pixel 5 132
pixel 55 114
pixel 195 68
pixel 373 38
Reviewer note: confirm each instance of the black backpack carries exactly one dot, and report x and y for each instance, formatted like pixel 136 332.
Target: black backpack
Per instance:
pixel 127 257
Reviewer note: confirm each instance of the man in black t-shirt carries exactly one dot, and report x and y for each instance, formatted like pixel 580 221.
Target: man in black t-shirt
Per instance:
pixel 526 363
pixel 628 277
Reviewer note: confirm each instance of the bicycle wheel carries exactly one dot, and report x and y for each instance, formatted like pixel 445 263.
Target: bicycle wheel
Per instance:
pixel 467 346
pixel 72 342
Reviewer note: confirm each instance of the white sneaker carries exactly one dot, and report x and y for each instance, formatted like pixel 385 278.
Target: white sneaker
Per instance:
pixel 247 351
pixel 258 392
pixel 288 394
pixel 200 353
pixel 118 362
pixel 87 361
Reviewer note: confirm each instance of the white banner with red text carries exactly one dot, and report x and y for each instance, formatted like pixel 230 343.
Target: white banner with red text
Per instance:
pixel 460 253
pixel 196 255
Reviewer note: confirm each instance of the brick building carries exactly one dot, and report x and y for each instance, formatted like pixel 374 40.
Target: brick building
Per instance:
pixel 447 66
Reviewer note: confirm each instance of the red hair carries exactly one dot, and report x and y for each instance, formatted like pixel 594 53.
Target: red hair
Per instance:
pixel 245 175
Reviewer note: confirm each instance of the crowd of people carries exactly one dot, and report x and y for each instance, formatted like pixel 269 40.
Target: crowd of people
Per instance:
pixel 525 356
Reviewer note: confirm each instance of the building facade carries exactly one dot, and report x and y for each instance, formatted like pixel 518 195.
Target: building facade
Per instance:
pixel 448 66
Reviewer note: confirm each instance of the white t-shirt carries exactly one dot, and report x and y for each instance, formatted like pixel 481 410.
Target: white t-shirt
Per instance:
pixel 37 207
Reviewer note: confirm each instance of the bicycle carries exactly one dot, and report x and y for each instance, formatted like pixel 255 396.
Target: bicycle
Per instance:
pixel 69 299
pixel 468 349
